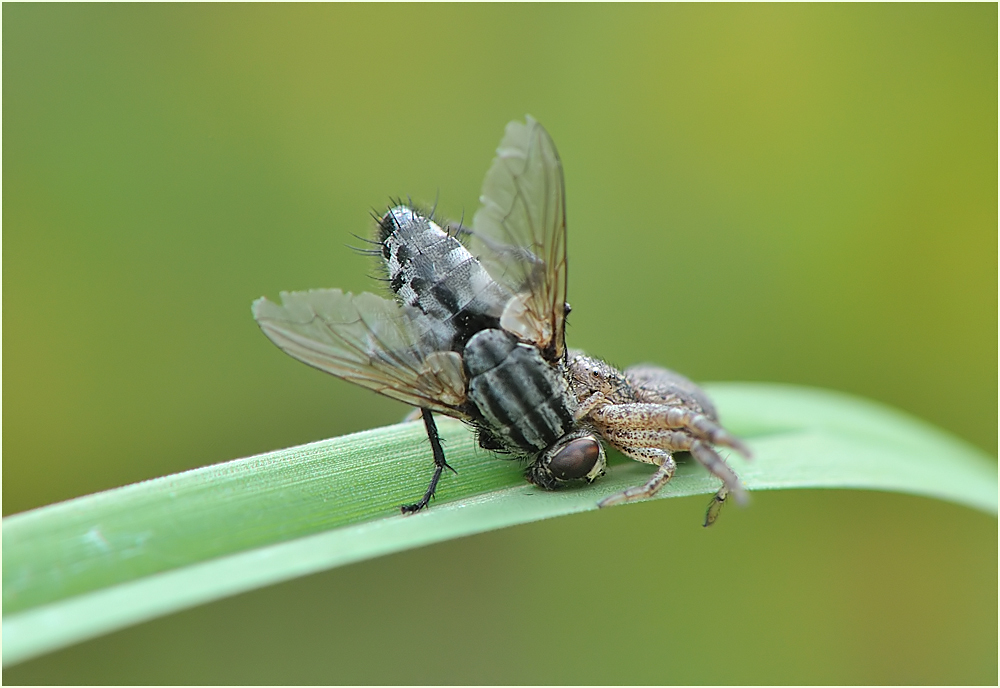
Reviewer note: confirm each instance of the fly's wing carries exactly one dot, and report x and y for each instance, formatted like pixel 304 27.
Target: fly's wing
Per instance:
pixel 367 340
pixel 519 234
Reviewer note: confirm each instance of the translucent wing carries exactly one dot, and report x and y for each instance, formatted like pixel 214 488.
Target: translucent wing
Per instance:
pixel 519 234
pixel 367 340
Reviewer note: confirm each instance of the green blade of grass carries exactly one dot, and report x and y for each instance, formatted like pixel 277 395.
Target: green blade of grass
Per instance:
pixel 91 565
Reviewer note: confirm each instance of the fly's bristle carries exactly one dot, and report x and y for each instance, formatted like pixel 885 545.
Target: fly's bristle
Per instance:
pixel 386 225
pixel 365 250
pixel 434 208
pixel 367 241
pixel 375 253
pixel 457 230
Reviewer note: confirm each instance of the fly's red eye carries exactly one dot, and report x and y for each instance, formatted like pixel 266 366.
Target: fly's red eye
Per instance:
pixel 576 459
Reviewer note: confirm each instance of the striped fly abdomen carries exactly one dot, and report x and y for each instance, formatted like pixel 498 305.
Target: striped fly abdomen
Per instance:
pixel 432 271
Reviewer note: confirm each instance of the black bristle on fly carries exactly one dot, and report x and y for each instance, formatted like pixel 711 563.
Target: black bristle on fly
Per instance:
pixel 434 208
pixel 365 251
pixel 387 223
pixel 457 230
pixel 374 253
pixel 367 241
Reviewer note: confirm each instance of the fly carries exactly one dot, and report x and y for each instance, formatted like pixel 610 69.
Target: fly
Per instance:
pixel 476 331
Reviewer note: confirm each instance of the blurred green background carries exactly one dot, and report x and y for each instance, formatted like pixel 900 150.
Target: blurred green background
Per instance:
pixel 805 194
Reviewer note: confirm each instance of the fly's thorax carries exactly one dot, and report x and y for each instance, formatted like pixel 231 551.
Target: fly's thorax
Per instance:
pixel 431 270
pixel 524 401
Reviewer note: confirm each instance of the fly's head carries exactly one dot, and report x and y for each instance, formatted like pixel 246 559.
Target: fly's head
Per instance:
pixel 578 456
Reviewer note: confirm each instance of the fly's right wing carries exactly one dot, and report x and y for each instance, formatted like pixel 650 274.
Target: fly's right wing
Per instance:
pixel 519 234
pixel 367 340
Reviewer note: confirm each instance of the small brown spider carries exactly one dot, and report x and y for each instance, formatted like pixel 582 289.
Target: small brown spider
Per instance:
pixel 648 413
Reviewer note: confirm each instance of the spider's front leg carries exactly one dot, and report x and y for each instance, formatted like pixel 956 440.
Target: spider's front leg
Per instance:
pixel 637 430
pixel 648 413
pixel 642 432
pixel 664 472
pixel 673 414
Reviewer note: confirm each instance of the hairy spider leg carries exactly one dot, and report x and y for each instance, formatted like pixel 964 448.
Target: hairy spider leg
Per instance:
pixel 664 472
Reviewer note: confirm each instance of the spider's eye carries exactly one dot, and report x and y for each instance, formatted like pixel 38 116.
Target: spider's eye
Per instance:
pixel 576 459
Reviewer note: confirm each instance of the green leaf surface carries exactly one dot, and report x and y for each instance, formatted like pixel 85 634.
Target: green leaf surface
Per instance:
pixel 85 567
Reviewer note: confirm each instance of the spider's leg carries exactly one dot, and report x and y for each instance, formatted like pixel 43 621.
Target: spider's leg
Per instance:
pixel 717 466
pixel 663 409
pixel 665 471
pixel 439 463
pixel 662 417
pixel 715 506
pixel 639 436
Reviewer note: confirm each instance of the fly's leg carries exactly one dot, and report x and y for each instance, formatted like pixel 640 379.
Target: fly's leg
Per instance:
pixel 439 463
pixel 664 472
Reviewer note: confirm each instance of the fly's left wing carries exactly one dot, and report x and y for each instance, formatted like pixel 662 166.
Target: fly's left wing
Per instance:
pixel 519 234
pixel 367 340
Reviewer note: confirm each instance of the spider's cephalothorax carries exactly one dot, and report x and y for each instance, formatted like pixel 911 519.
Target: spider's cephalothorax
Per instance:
pixel 476 331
